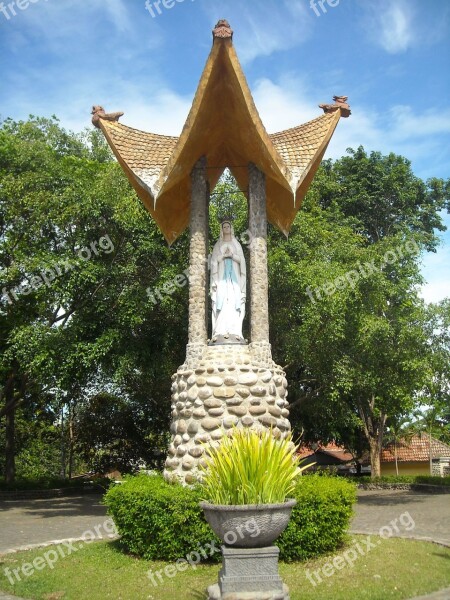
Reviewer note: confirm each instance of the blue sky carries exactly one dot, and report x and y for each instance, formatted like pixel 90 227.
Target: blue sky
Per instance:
pixel 391 57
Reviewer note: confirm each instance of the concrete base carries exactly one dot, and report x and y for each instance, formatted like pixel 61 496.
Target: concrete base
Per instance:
pixel 214 594
pixel 249 574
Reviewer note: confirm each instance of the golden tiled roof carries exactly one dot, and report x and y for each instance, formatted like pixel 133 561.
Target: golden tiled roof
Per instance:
pixel 224 126
pixel 146 154
pixel 299 145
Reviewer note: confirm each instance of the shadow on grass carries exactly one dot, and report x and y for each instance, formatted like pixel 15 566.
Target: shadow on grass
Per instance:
pixel 441 555
pixel 119 547
pixel 199 595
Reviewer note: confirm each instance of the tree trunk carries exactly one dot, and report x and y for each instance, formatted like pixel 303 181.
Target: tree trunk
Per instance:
pixel 396 458
pixel 71 441
pixel 373 428
pixel 431 453
pixel 63 447
pixel 10 451
pixel 375 452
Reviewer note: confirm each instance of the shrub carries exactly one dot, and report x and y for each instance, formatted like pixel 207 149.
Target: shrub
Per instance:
pixel 320 518
pixel 428 479
pixel 163 521
pixel 43 483
pixel 158 520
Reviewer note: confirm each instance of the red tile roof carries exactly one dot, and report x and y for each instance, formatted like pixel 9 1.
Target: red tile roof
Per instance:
pixel 332 449
pixel 416 450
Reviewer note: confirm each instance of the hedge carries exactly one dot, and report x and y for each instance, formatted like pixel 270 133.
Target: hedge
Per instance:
pixel 162 521
pixel 413 479
pixel 158 520
pixel 320 519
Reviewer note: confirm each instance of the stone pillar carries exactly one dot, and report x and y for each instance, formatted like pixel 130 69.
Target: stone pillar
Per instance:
pixel 198 259
pixel 259 287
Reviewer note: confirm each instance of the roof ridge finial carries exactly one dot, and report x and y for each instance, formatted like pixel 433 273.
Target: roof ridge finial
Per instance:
pixel 99 112
pixel 340 102
pixel 222 30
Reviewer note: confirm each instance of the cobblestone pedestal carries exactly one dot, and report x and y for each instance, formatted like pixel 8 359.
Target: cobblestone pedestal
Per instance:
pixel 217 388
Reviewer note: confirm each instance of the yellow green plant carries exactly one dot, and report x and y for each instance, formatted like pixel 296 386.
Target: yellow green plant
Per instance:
pixel 251 467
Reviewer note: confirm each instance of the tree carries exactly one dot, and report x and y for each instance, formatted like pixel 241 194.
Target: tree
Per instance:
pixel 89 308
pixel 355 330
pixel 77 254
pixel 112 433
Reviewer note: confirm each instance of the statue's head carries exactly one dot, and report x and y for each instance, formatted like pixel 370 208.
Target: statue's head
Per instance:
pixel 226 227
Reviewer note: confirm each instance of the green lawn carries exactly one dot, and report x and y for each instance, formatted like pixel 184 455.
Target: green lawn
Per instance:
pixel 394 568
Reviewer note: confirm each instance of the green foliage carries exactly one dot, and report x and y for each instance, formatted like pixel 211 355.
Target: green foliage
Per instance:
pixel 250 467
pixel 40 483
pixel 163 521
pixel 425 479
pixel 88 329
pixel 354 356
pixel 112 433
pixel 158 520
pixel 320 518
pixel 357 352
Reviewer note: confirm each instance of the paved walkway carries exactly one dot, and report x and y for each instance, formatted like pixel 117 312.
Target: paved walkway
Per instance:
pixel 429 514
pixel 26 523
pixel 29 522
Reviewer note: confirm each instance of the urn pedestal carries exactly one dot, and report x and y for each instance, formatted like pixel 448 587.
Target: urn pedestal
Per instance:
pixel 249 574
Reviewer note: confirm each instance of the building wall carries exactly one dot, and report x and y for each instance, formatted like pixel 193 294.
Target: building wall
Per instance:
pixel 406 468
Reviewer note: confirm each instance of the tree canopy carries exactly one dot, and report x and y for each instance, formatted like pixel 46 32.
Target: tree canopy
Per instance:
pixel 92 326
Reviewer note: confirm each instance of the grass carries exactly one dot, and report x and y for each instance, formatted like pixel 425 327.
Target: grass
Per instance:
pixel 395 569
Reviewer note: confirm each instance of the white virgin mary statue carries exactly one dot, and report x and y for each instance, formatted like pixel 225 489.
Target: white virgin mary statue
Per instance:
pixel 228 286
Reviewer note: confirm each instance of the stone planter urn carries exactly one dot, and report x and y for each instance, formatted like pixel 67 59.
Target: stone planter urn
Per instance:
pixel 248 525
pixel 250 561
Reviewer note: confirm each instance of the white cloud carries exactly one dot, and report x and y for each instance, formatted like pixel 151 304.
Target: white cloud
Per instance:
pixel 276 25
pixel 118 14
pixel 59 21
pixel 436 268
pixel 399 129
pixel 280 107
pixel 435 291
pixel 390 24
pixel 165 112
pixel 418 136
